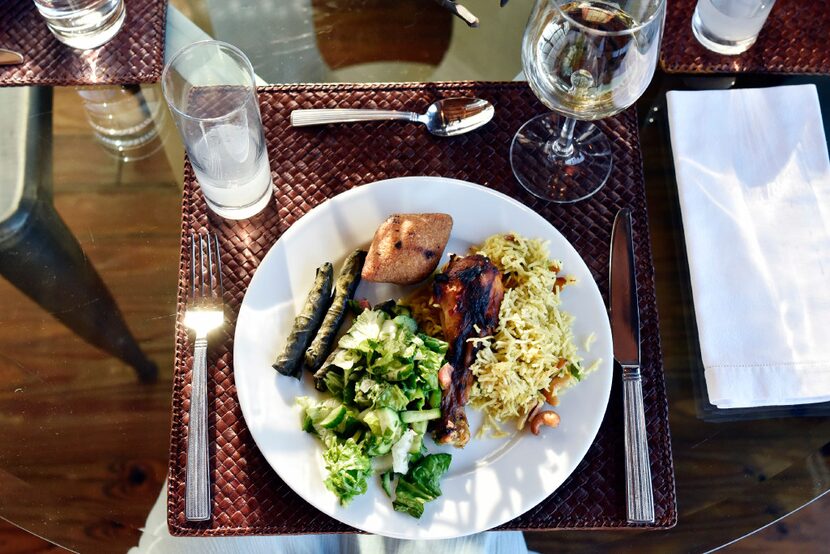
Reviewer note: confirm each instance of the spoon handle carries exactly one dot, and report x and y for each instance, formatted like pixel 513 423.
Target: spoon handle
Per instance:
pixel 302 118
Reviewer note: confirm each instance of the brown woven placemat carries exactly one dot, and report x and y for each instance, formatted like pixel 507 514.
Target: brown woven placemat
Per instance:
pixel 135 55
pixel 793 40
pixel 311 165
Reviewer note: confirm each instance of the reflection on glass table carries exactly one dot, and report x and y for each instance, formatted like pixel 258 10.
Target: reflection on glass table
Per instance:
pixel 127 120
pixel 38 253
pixel 365 40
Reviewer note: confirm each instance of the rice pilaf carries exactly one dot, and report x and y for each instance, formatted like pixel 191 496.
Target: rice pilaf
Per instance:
pixel 533 348
pixel 532 357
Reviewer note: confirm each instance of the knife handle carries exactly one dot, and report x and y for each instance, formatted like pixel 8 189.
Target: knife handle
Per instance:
pixel 637 464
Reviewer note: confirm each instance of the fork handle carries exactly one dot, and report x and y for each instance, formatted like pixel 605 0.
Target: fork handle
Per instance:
pixel 637 465
pixel 197 480
pixel 302 118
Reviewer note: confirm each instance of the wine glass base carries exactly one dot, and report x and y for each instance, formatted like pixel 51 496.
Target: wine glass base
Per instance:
pixel 560 178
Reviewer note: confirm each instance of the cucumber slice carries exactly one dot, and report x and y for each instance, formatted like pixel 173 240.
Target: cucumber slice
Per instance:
pixel 334 417
pixel 386 482
pixel 419 427
pixel 308 425
pixel 349 424
pixel 420 415
pixel 416 443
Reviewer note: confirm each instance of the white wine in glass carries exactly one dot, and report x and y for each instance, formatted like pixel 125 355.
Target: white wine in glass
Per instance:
pixel 586 60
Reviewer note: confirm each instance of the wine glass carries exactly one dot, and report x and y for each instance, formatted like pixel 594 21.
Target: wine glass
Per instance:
pixel 585 59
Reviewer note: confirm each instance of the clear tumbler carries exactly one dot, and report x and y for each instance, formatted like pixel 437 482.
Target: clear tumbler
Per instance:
pixel 211 90
pixel 729 26
pixel 83 24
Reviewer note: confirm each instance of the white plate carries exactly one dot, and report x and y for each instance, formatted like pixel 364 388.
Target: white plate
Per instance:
pixel 489 481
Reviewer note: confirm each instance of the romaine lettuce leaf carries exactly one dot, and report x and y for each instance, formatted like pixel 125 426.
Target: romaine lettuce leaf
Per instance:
pixel 385 427
pixel 333 381
pixel 361 392
pixel 383 367
pixel 415 395
pixel 429 361
pixel 396 370
pixel 364 332
pixel 407 323
pixel 348 468
pixel 345 359
pixel 400 451
pixel 436 345
pixel 387 395
pixel 379 394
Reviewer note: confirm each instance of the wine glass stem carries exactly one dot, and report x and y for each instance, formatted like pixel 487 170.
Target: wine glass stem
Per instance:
pixel 563 147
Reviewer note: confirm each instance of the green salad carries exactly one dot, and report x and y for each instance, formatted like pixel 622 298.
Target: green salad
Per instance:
pixel 383 382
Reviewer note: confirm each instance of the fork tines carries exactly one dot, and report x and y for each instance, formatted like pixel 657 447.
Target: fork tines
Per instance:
pixel 205 266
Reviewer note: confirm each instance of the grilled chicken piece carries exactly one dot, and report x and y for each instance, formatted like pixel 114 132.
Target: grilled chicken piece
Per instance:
pixel 469 292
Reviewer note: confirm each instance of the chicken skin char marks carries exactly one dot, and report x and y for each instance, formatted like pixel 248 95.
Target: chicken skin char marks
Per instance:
pixel 469 292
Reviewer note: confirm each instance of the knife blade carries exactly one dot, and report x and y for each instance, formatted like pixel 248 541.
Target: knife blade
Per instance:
pixel 625 313
pixel 10 57
pixel 625 329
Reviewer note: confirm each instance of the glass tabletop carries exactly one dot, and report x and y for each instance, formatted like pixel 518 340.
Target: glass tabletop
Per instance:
pixel 89 241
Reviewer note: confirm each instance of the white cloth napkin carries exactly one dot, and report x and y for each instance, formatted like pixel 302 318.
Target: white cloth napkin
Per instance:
pixel 754 184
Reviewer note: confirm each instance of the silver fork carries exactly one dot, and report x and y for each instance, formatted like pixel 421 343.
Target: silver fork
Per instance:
pixel 203 315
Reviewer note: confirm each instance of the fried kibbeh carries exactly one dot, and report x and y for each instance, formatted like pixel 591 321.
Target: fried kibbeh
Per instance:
pixel 406 248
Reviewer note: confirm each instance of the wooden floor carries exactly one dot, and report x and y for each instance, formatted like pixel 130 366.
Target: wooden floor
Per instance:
pixel 17 541
pixel 82 439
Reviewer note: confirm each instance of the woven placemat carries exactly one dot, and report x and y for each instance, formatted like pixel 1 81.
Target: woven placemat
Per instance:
pixel 312 165
pixel 135 55
pixel 793 40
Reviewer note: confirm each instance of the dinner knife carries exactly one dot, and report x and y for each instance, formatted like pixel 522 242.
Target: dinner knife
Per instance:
pixel 10 57
pixel 625 330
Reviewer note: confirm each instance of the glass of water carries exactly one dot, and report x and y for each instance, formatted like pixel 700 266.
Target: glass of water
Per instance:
pixel 729 26
pixel 211 90
pixel 83 24
pixel 585 60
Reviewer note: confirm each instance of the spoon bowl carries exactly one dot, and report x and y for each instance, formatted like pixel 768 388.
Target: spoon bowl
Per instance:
pixel 456 116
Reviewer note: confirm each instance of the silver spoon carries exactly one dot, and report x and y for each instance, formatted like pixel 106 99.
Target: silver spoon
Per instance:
pixel 10 57
pixel 445 118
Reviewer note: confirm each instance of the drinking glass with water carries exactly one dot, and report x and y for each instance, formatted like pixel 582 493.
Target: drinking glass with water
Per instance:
pixel 729 26
pixel 211 90
pixel 83 24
